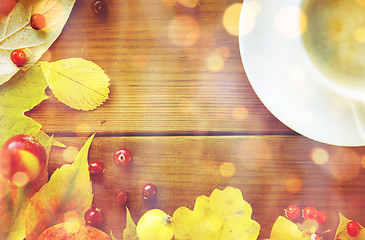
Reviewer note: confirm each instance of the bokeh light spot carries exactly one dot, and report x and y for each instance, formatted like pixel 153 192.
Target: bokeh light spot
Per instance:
pixel 83 130
pixel 293 184
pixel 227 169
pixel 141 61
pixel 20 179
pixel 189 3
pixel 345 164
pixel 183 31
pixel 359 35
pixel 240 113
pixel 69 154
pixel 215 63
pixel 231 18
pixel 223 51
pixel 319 156
pixel 290 22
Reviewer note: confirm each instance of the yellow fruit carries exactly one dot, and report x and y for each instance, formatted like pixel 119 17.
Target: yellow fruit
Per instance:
pixel 155 224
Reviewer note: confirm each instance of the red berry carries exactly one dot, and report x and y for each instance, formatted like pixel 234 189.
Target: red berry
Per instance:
pixel 310 213
pixel 22 159
pixel 353 228
pixel 96 168
pixel 18 57
pixel 122 157
pixel 121 196
pixel 292 212
pixel 315 237
pixel 321 217
pixel 37 21
pixel 99 7
pixel 149 192
pixel 6 6
pixel 94 217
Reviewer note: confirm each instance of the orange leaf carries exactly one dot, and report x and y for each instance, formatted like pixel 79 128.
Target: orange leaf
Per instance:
pixel 66 197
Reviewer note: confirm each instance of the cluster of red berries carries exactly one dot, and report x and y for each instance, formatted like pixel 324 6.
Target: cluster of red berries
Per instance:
pixel 294 213
pixel 122 157
pixel 38 22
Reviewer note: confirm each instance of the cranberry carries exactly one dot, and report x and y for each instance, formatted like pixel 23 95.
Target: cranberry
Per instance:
pixel 292 212
pixel 18 57
pixel 310 213
pixel 37 21
pixel 353 228
pixel 122 157
pixel 99 7
pixel 149 192
pixel 321 217
pixel 94 217
pixel 96 168
pixel 121 196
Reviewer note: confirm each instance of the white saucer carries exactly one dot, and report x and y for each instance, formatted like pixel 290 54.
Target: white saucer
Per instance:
pixel 286 81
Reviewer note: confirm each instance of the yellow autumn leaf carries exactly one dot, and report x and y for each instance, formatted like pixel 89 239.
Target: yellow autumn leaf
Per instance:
pixel 66 196
pixel 222 216
pixel 341 232
pixel 78 83
pixel 16 32
pixel 284 229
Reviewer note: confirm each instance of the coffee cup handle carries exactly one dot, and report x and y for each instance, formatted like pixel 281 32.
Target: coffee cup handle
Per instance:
pixel 358 109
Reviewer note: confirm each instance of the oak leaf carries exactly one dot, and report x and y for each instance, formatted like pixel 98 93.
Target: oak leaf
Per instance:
pixel 66 196
pixel 78 83
pixel 16 32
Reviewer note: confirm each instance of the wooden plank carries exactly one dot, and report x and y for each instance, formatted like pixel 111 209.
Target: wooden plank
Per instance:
pixel 272 172
pixel 157 86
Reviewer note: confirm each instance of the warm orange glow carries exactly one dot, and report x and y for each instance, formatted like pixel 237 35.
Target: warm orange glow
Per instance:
pixel 361 2
pixel 20 179
pixel 215 63
pixel 227 169
pixel 319 156
pixel 345 164
pixel 183 31
pixel 69 154
pixel 83 130
pixel 72 216
pixel 240 113
pixel 141 61
pixel 293 185
pixel 231 18
pixel 188 3
pixel 286 22
pixel 224 52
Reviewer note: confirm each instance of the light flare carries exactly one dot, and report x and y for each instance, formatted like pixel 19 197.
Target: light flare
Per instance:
pixel 319 156
pixel 345 164
pixel 240 113
pixel 215 63
pixel 293 185
pixel 359 35
pixel 184 31
pixel 69 154
pixel 227 169
pixel 188 3
pixel 20 179
pixel 231 19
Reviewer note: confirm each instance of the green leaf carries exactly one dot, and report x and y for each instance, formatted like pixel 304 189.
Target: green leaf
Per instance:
pixel 16 32
pixel 78 83
pixel 17 96
pixel 68 193
pixel 14 201
pixel 129 232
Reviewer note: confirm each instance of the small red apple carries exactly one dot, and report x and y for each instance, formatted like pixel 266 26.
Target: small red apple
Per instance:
pixel 22 159
pixel 6 6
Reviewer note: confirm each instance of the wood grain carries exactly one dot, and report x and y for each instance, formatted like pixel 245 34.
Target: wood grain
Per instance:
pixel 272 172
pixel 156 86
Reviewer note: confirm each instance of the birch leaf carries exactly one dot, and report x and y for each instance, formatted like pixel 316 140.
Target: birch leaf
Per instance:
pixel 69 191
pixel 16 32
pixel 78 83
pixel 129 232
pixel 17 96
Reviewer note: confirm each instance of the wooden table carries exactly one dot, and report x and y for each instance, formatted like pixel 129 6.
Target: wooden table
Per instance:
pixel 181 103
